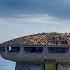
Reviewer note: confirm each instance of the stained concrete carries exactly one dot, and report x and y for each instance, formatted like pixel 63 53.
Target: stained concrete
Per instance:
pixel 27 61
pixel 25 66
pixel 50 65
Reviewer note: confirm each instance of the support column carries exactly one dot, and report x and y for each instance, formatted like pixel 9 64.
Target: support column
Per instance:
pixel 56 66
pixel 50 65
pixel 21 66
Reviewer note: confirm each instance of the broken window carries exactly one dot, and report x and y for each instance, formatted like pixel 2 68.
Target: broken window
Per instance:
pixel 33 49
pixel 13 49
pixel 58 49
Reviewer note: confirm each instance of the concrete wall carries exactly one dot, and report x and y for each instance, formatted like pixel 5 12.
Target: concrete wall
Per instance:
pixel 50 65
pixel 36 57
pixel 63 67
pixel 38 61
pixel 24 66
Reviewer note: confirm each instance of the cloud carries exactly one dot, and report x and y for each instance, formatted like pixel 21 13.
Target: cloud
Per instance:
pixel 41 19
pixel 59 8
pixel 20 25
pixel 65 1
pixel 28 19
pixel 22 19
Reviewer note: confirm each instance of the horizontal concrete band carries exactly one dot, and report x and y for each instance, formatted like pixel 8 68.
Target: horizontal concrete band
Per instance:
pixel 35 56
pixel 48 65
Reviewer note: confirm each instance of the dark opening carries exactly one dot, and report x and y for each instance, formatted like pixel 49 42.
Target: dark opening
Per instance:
pixel 33 49
pixel 58 49
pixel 2 49
pixel 13 49
pixel 56 66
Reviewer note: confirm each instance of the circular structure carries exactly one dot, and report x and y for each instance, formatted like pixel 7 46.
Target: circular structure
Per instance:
pixel 42 38
pixel 38 51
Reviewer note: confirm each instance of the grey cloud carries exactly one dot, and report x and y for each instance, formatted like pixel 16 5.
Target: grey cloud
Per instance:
pixel 53 7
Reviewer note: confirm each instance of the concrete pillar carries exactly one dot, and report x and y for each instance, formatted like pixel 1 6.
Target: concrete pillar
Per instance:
pixel 26 66
pixel 50 65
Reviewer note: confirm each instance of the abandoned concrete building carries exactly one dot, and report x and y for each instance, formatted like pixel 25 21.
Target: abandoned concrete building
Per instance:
pixel 42 51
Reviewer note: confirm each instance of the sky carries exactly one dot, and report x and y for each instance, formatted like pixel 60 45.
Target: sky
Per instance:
pixel 25 17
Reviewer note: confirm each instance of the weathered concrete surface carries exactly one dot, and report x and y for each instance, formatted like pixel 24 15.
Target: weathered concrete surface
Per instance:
pixel 50 65
pixel 36 57
pixel 24 66
pixel 63 67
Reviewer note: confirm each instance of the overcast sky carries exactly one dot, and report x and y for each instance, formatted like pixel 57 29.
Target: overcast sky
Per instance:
pixel 24 17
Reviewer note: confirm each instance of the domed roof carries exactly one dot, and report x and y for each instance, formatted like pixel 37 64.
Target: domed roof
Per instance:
pixel 41 38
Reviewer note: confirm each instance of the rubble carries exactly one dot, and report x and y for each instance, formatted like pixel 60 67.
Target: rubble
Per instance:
pixel 47 38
